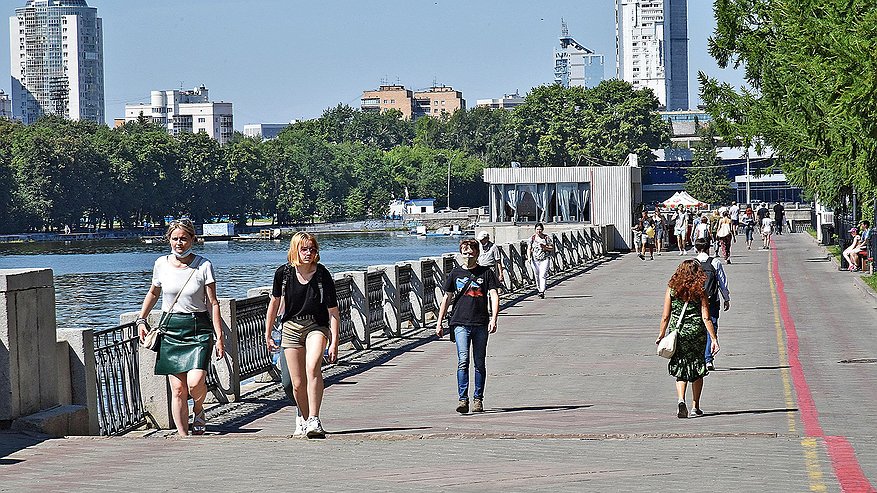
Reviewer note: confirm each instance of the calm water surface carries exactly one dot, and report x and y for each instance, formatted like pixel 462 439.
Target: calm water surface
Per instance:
pixel 97 281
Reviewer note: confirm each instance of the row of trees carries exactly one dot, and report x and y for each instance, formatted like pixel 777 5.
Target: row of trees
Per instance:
pixel 345 164
pixel 810 67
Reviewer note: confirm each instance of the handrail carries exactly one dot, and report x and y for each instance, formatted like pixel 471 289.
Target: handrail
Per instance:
pixel 117 366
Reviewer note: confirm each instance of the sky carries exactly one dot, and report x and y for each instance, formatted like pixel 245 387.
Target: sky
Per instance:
pixel 280 60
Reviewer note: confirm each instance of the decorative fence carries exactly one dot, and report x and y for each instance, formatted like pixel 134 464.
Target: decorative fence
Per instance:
pixel 117 364
pixel 379 299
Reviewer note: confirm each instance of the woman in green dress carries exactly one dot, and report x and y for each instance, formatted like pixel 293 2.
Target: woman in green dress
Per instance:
pixel 685 297
pixel 185 283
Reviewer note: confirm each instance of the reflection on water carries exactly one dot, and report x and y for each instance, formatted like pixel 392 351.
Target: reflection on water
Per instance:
pixel 97 281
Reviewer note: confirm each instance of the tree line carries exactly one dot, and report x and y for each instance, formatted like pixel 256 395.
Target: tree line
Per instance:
pixel 346 164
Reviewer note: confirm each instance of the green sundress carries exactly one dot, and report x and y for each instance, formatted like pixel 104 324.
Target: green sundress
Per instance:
pixel 688 362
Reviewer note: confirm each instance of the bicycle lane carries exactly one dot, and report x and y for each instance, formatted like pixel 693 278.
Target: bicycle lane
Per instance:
pixel 845 462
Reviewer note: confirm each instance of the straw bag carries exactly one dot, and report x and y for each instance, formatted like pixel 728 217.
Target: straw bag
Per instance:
pixel 667 346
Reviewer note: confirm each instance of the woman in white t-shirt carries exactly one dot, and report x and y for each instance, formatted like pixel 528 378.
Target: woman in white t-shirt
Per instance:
pixel 539 249
pixel 190 323
pixel 766 231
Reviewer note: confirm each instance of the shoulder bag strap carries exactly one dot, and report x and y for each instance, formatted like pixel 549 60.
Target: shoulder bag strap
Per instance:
pixel 681 315
pixel 177 297
pixel 459 293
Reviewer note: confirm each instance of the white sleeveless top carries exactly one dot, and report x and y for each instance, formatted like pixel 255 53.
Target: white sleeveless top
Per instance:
pixel 171 279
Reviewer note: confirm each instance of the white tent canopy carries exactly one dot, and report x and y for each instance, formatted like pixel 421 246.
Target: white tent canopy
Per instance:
pixel 682 198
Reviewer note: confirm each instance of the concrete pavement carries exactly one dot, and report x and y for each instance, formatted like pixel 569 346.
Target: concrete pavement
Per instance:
pixel 576 400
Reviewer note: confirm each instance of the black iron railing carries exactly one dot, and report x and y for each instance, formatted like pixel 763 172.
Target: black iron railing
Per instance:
pixel 344 293
pixel 374 287
pixel 120 404
pixel 254 357
pixel 406 308
pixel 427 275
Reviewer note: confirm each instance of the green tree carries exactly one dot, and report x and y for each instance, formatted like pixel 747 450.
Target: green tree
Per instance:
pixel 811 74
pixel 707 179
pixel 559 126
pixel 9 215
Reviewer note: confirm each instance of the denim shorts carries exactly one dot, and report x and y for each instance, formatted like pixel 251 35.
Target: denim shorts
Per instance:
pixel 295 332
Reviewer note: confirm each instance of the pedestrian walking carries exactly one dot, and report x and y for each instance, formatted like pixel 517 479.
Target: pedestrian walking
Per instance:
pixel 490 256
pixel 748 222
pixel 190 324
pixel 475 310
pixel 310 321
pixel 715 283
pixel 686 310
pixel 734 211
pixel 680 229
pixel 779 217
pixel 724 235
pixel 766 231
pixel 660 229
pixel 539 250
pixel 646 230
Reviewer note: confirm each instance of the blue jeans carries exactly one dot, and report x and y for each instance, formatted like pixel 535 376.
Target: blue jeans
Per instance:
pixel 477 334
pixel 714 316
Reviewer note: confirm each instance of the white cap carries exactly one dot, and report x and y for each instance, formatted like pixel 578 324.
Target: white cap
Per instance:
pixel 482 235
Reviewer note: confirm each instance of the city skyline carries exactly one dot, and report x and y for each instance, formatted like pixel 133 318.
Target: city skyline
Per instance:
pixel 278 62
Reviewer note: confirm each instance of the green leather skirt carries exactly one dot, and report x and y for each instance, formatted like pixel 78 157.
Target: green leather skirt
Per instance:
pixel 185 344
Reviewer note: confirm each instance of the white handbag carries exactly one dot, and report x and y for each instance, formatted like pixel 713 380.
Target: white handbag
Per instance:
pixel 667 346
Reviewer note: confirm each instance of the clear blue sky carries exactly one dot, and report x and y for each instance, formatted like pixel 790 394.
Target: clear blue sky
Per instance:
pixel 279 60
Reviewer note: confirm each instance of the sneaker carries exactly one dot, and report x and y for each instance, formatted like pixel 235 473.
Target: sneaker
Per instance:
pixel 695 412
pixel 463 406
pixel 710 366
pixel 681 253
pixel 314 429
pixel 477 406
pixel 682 411
pixel 641 256
pixel 542 295
pixel 300 431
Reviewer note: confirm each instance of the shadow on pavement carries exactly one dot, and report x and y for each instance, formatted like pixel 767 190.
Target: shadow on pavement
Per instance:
pixel 376 430
pixel 751 411
pixel 521 409
pixel 11 442
pixel 746 368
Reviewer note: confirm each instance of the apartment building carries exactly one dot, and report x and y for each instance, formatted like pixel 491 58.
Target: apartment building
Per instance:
pixel 186 111
pixel 434 101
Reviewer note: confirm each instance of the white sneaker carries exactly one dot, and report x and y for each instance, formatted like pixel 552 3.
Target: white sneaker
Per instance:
pixel 299 428
pixel 314 429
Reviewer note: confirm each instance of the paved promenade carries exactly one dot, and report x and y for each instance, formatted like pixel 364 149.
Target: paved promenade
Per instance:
pixel 576 401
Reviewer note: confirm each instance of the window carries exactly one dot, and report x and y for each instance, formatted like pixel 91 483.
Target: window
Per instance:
pixel 202 120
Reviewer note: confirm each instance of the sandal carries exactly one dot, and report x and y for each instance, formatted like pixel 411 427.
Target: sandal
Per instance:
pixel 199 423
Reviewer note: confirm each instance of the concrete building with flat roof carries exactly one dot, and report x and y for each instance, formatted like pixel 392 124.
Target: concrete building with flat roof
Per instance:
pixel 651 45
pixel 266 131
pixel 434 101
pixel 5 105
pixel 186 111
pixel 507 102
pixel 57 61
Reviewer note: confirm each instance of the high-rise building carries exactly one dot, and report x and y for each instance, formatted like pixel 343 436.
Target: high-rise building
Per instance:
pixel 5 105
pixel 186 111
pixel 57 61
pixel 651 44
pixel 575 65
pixel 434 101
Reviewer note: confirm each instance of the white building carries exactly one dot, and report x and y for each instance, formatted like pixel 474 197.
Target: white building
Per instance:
pixel 57 61
pixel 651 44
pixel 508 101
pixel 575 65
pixel 5 105
pixel 265 131
pixel 186 111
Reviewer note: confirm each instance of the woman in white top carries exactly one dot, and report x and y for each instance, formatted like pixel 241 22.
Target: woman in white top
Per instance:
pixel 766 231
pixel 539 249
pixel 190 323
pixel 852 252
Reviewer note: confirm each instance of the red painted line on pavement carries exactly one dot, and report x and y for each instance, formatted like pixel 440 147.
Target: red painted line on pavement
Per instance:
pixel 843 457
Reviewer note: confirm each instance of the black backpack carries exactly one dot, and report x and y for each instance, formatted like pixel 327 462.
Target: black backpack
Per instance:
pixel 711 285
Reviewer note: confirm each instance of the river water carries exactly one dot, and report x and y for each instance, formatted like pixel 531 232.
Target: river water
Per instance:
pixel 97 281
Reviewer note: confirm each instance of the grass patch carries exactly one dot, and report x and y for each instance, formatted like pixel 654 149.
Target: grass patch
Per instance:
pixel 811 231
pixel 835 251
pixel 871 281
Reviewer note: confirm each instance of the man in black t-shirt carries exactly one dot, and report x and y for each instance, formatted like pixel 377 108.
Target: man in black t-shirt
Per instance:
pixel 471 287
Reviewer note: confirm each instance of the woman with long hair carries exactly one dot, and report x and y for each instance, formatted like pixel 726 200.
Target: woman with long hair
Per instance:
pixel 748 222
pixel 539 250
pixel 190 323
pixel 309 322
pixel 685 298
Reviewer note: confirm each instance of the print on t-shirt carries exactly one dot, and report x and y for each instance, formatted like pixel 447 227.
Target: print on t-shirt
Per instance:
pixel 474 290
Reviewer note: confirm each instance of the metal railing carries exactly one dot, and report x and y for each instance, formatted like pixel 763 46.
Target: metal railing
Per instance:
pixel 344 293
pixel 374 282
pixel 120 405
pixel 254 357
pixel 406 308
pixel 427 275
